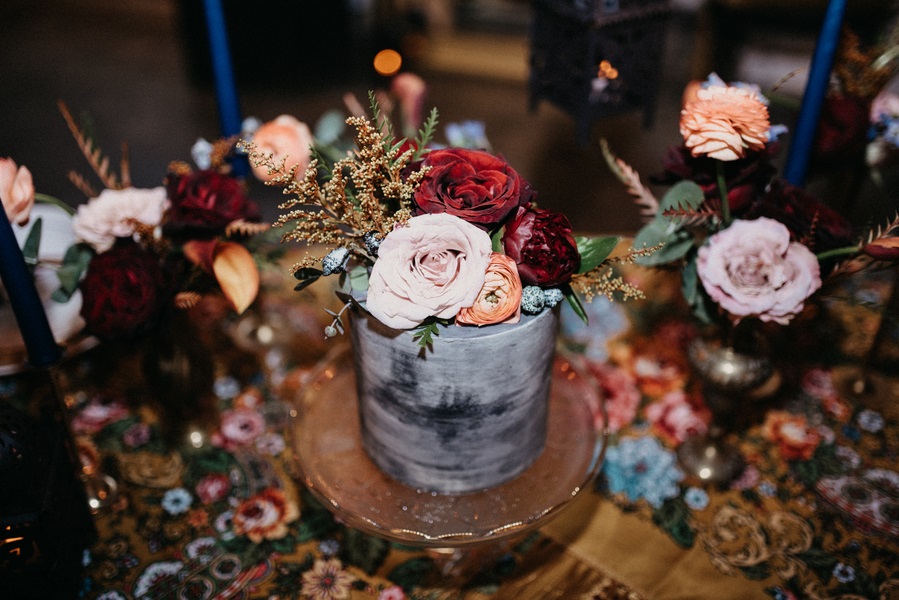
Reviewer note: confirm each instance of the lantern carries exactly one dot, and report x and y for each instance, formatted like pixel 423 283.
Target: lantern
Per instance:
pixel 597 58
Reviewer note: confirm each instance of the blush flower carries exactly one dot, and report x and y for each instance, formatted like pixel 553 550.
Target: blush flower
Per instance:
pixel 239 427
pixel 435 265
pixel 753 269
pixel 674 418
pixel 499 301
pixel 16 191
pixel 621 395
pixel 212 488
pixel 285 138
pixel 114 213
pixel 265 516
pixel 723 122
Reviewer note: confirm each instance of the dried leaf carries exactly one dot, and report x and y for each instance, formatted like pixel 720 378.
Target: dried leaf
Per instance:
pixel 237 275
pixel 643 198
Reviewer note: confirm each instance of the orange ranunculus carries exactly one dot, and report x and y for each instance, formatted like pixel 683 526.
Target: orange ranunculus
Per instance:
pixel 265 516
pixel 725 121
pixel 16 191
pixel 499 300
pixel 795 439
pixel 287 139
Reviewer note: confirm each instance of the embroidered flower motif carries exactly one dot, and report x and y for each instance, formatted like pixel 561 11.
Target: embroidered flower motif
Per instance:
pixel 177 501
pixel 747 479
pixel 794 437
pixel 329 547
pixel 96 415
pixel 239 427
pixel 843 573
pixel 870 421
pixel 265 516
pixel 848 457
pixel 154 575
pixel 674 418
pixel 641 468
pixel 621 395
pixel 327 581
pixel 696 498
pixel 393 592
pixel 270 443
pixel 212 488
pixel 723 122
pixel 137 435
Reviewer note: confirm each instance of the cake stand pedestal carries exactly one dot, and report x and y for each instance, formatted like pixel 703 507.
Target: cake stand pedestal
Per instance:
pixel 458 528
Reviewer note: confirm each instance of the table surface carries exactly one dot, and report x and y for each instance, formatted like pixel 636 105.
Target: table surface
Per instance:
pixel 225 514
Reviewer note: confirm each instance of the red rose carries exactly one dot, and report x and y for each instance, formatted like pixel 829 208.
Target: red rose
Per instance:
pixel 206 201
pixel 123 291
pixel 541 243
pixel 470 184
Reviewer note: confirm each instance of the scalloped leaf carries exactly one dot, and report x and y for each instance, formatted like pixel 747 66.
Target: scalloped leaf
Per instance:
pixel 683 194
pixel 594 251
pixel 674 241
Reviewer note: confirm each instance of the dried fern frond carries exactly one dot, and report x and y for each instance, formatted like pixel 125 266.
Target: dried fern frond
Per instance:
pixel 99 163
pixel 82 184
pixel 691 217
pixel 643 198
pixel 185 300
pixel 246 228
pixel 880 232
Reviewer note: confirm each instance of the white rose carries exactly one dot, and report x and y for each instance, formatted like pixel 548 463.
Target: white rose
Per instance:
pixel 113 213
pixel 433 266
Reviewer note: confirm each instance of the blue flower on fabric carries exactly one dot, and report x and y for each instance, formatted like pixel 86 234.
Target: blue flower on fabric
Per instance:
pixel 844 573
pixel 870 421
pixel 768 489
pixel 329 547
pixel 643 468
pixel 696 498
pixel 226 387
pixel 177 501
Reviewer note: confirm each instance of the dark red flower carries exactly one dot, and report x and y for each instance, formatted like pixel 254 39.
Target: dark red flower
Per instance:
pixel 204 202
pixel 124 290
pixel 842 129
pixel 542 244
pixel 470 184
pixel 745 178
pixel 809 220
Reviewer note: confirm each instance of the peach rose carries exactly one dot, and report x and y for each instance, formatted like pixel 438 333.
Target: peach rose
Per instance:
pixel 16 191
pixel 113 213
pixel 499 301
pixel 435 265
pixel 285 138
pixel 753 269
pixel 722 122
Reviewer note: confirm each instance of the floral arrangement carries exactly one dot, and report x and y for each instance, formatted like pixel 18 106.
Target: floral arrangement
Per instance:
pixel 138 252
pixel 750 244
pixel 431 235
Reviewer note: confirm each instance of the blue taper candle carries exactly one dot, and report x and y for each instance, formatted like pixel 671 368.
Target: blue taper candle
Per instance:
pixel 26 304
pixel 815 92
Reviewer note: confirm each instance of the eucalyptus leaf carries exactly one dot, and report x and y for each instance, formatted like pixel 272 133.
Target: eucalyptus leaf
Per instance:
pixel 693 291
pixel 675 242
pixel 74 264
pixel 359 278
pixel 33 243
pixel 594 251
pixel 330 127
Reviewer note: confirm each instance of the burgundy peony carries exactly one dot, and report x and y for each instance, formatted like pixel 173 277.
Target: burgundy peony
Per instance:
pixel 809 220
pixel 471 184
pixel 541 243
pixel 206 201
pixel 123 291
pixel 842 130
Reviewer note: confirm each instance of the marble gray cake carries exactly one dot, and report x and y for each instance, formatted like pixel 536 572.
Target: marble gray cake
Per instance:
pixel 467 416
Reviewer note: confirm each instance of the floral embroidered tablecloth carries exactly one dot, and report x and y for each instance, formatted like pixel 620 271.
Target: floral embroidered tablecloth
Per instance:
pixel 210 507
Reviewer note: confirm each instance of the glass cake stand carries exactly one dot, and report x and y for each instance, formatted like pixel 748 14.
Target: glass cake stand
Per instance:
pixel 332 463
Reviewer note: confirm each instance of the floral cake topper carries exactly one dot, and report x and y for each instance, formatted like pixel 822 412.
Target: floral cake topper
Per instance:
pixel 435 235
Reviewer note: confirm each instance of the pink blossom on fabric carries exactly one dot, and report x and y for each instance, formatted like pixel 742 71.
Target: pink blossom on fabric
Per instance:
pixel 285 138
pixel 96 415
pixel 239 427
pixel 753 269
pixel 435 265
pixel 393 592
pixel 885 104
pixel 213 487
pixel 674 418
pixel 113 214
pixel 622 398
pixel 16 191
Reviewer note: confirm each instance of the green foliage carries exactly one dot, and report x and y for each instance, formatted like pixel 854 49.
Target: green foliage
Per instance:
pixel 673 517
pixel 425 333
pixel 594 251
pixel 668 231
pixel 359 278
pixel 364 551
pixel 575 303
pixel 425 134
pixel 412 573
pixel 693 291
pixel 74 264
pixel 496 240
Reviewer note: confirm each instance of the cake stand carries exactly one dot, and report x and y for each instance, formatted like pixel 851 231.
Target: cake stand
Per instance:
pixel 332 463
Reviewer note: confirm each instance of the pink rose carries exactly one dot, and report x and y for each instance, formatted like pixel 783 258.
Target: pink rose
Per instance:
pixel 752 269
pixel 285 138
pixel 433 266
pixel 16 191
pixel 113 214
